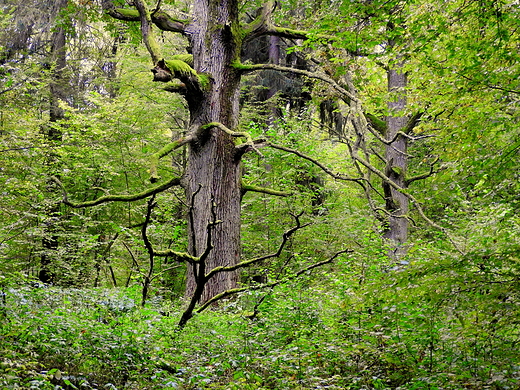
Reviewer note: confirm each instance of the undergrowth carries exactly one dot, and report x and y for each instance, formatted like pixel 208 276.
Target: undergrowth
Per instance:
pixel 305 335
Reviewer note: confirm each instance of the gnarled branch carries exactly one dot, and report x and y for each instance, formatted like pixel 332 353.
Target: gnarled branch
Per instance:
pixel 424 175
pixel 160 18
pixel 249 140
pixel 246 263
pixel 118 198
pixel 317 163
pixel 314 75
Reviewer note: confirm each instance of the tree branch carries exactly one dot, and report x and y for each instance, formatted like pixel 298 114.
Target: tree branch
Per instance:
pixel 314 75
pixel 147 32
pixel 192 83
pixel 424 175
pixel 161 19
pixel 246 263
pixel 148 276
pixel 167 149
pixel 118 198
pixel 177 256
pixel 263 25
pixel 249 140
pixel 317 163
pixel 263 190
pixel 234 291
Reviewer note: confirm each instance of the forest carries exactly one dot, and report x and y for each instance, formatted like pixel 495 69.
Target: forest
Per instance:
pixel 253 195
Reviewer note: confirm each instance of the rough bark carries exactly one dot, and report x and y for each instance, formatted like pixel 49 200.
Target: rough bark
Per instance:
pixel 397 204
pixel 213 171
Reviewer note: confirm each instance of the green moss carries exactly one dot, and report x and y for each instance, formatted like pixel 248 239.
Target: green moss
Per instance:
pixel 378 124
pixel 397 170
pixel 128 13
pixel 204 80
pixel 180 67
pixel 237 64
pixel 187 58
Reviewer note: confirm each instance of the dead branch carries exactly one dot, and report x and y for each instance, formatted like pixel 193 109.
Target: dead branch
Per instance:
pixel 317 163
pixel 234 291
pixel 285 237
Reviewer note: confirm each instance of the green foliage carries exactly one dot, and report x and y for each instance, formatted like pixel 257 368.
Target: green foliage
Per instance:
pixel 443 317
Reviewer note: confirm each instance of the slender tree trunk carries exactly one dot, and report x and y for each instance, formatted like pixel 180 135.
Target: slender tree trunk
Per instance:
pixel 397 163
pixel 212 181
pixel 53 134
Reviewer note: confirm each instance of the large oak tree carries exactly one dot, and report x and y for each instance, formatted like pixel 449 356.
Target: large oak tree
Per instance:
pixel 209 79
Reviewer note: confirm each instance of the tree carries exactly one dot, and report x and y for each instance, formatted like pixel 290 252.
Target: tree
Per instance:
pixel 209 79
pixel 53 134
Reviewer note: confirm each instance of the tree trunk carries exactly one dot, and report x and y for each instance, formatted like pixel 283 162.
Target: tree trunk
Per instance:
pixel 397 163
pixel 212 180
pixel 53 134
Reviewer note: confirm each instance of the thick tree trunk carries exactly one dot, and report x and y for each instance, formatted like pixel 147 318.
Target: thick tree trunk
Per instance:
pixel 397 164
pixel 212 181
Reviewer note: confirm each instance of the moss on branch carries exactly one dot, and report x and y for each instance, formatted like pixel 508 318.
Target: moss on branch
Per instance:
pixel 130 15
pixel 121 197
pixel 167 149
pixel 263 190
pixel 161 19
pixel 177 256
pixel 179 67
pixel 314 75
pixel 187 58
pixel 249 140
pixel 378 124
pixel 263 25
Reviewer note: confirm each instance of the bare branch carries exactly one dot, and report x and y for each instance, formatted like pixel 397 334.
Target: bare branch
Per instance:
pixel 118 198
pixel 317 163
pixel 405 192
pixel 263 25
pixel 234 291
pixel 148 276
pixel 246 263
pixel 191 218
pixel 424 175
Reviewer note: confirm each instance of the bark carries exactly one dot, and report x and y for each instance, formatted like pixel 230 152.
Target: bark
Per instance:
pixel 397 204
pixel 213 171
pixel 52 133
